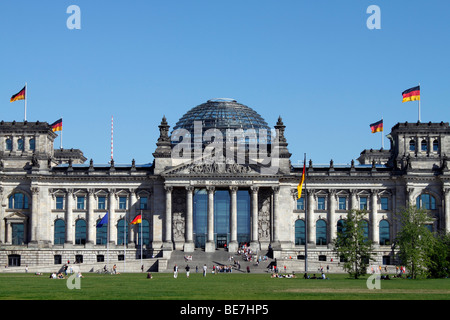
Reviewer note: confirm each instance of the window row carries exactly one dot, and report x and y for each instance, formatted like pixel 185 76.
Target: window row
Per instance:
pixel 20 200
pixel 20 144
pixel 343 203
pixel 81 203
pixel 423 145
pixel 322 234
pixel 101 238
pixel 424 201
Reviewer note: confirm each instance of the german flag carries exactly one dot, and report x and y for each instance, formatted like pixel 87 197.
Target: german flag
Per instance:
pixel 300 185
pixel 137 219
pixel 57 125
pixel 19 95
pixel 377 126
pixel 411 94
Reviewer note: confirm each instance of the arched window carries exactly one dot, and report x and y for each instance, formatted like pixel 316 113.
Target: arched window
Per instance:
pixel 59 233
pixel 321 232
pixel 412 145
pixel 9 144
pixel 365 227
pixel 101 233
pixel 18 201
pixel 300 236
pixel 122 232
pixel 426 201
pixel 340 226
pixel 20 145
pixel 436 145
pixel 32 144
pixel 385 238
pixel 80 232
pixel 424 145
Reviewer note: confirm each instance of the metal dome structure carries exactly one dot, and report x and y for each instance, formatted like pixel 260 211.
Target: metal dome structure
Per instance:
pixel 222 114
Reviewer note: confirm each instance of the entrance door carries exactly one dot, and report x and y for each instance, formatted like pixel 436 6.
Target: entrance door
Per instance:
pixel 221 240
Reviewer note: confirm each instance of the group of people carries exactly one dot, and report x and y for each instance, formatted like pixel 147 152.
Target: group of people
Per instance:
pixel 60 275
pixel 322 276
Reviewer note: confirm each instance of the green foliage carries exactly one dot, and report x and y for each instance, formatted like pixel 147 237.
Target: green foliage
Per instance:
pixel 415 242
pixel 439 257
pixel 352 246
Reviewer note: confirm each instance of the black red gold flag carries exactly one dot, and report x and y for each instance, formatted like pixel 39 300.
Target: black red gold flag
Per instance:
pixel 411 94
pixel 57 125
pixel 19 95
pixel 377 126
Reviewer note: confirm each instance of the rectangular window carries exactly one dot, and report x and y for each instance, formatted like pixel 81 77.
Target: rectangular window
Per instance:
pixel 321 203
pixel 363 203
pixel 143 203
pixel 122 203
pixel 384 203
pixel 80 203
pixel 342 203
pixel 301 204
pixel 101 203
pixel 60 203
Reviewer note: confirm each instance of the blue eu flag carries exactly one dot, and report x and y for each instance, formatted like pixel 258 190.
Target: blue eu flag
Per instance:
pixel 103 221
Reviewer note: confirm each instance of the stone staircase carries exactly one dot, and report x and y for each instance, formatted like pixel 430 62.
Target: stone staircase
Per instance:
pixel 220 257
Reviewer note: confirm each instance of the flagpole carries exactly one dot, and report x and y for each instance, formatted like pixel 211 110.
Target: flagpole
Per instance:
pixel 60 137
pixel 306 222
pixel 419 103
pixel 26 89
pixel 107 243
pixel 382 140
pixel 124 240
pixel 141 237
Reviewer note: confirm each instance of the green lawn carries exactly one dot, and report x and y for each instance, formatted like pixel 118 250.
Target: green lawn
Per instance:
pixel 216 287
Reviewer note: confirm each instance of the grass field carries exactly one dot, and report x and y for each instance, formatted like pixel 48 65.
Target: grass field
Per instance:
pixel 163 286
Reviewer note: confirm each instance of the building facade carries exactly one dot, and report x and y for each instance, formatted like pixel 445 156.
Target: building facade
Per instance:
pixel 221 178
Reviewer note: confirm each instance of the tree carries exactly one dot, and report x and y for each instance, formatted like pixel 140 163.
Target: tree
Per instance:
pixel 352 245
pixel 439 256
pixel 414 241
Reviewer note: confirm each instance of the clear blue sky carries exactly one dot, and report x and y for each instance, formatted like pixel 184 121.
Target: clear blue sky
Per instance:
pixel 315 63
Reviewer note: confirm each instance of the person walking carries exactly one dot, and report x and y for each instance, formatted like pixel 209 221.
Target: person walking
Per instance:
pixel 187 270
pixel 175 271
pixel 204 270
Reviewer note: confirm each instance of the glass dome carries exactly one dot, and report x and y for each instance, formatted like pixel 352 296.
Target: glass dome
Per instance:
pixel 222 114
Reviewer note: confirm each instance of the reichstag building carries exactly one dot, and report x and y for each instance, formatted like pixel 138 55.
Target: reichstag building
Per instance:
pixel 221 177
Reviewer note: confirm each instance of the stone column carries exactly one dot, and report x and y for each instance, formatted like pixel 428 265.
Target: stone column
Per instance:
pixel 447 210
pixel 91 228
pixel 168 239
pixel 311 232
pixel 69 217
pixel 189 239
pixel 373 218
pixel 233 244
pixel 276 214
pixel 111 217
pixel 34 216
pixel 332 215
pixel 354 201
pixel 254 213
pixel 131 214
pixel 210 246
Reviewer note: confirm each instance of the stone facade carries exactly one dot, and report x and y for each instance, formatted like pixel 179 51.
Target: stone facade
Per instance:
pixel 45 192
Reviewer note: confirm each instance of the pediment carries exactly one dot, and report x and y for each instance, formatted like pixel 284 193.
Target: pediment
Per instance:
pixel 18 216
pixel 208 167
